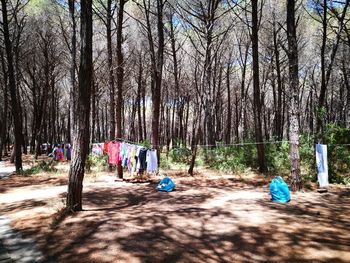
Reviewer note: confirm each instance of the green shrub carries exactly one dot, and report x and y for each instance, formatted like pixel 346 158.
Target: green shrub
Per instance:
pixel 180 155
pixel 98 162
pixel 336 138
pixel 42 166
pixel 233 158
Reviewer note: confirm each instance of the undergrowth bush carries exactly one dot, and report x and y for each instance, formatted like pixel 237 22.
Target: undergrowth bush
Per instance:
pixel 233 158
pixel 337 138
pixel 180 155
pixel 40 167
pixel 98 162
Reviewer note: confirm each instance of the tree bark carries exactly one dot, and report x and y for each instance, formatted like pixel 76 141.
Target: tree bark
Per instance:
pixel 81 130
pixel 294 96
pixel 110 70
pixel 229 108
pixel 15 101
pixel 73 66
pixel 120 78
pixel 3 129
pixel 256 85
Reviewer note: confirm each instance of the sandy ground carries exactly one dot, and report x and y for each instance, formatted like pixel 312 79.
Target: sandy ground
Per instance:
pixel 211 217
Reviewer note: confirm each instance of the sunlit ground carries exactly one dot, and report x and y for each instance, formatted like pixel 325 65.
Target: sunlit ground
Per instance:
pixel 211 217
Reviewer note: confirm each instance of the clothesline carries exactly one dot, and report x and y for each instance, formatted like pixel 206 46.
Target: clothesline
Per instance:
pixel 133 156
pixel 131 142
pixel 235 144
pixel 257 143
pixel 242 143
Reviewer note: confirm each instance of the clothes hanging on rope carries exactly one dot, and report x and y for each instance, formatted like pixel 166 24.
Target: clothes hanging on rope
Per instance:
pixel 97 149
pixel 136 158
pixel 61 152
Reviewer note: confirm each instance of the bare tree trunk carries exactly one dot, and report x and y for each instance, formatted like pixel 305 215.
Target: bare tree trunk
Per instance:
pixel 256 85
pixel 73 66
pixel 139 89
pixel 3 129
pixel 112 110
pixel 229 109
pixel 294 96
pixel 81 134
pixel 326 70
pixel 120 77
pixel 196 134
pixel 15 101
pixel 278 121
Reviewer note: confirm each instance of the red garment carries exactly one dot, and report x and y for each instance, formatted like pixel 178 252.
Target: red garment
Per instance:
pixel 105 147
pixel 113 152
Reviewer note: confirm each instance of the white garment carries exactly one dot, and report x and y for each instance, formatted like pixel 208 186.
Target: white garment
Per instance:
pixel 152 161
pixel 322 165
pixel 97 149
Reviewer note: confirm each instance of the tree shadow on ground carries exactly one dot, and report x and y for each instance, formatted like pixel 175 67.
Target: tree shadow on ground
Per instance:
pixel 35 180
pixel 198 223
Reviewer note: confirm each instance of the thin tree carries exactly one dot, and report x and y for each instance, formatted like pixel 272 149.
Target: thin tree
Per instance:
pixel 82 122
pixel 15 106
pixel 73 54
pixel 294 96
pixel 120 77
pixel 256 86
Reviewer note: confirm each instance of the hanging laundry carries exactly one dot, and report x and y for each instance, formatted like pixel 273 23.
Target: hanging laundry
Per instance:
pixel 113 152
pixel 125 151
pixel 97 149
pixel 152 161
pixel 69 153
pixel 105 147
pixel 141 164
pixel 322 165
pixel 132 162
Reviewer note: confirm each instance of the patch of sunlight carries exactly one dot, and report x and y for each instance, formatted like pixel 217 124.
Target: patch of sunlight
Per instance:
pixel 233 196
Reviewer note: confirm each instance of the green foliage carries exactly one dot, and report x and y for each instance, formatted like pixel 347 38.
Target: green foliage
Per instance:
pixel 338 153
pixel 165 163
pixel 335 134
pixel 40 167
pixel 233 158
pixel 146 144
pixel 180 155
pixel 98 162
pixel 38 7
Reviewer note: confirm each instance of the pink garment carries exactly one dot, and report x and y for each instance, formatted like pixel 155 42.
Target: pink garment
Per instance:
pixel 113 152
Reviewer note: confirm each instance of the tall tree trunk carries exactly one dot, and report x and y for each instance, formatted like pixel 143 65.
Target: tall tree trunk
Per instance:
pixel 176 76
pixel 139 89
pixel 120 77
pixel 327 69
pixel 157 59
pixel 294 96
pixel 15 101
pixel 256 85
pixel 278 122
pixel 81 131
pixel 93 111
pixel 110 70
pixel 73 66
pixel 229 109
pixel 3 129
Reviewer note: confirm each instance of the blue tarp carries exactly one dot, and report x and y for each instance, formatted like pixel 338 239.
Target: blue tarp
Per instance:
pixel 279 190
pixel 166 185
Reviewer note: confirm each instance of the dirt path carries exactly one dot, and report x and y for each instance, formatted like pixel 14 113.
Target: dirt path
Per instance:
pixel 215 219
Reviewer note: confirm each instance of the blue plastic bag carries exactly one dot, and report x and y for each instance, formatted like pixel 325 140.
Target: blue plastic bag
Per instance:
pixel 166 185
pixel 279 190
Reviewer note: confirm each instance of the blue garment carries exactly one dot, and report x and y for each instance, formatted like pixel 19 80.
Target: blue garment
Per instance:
pixel 166 185
pixel 279 190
